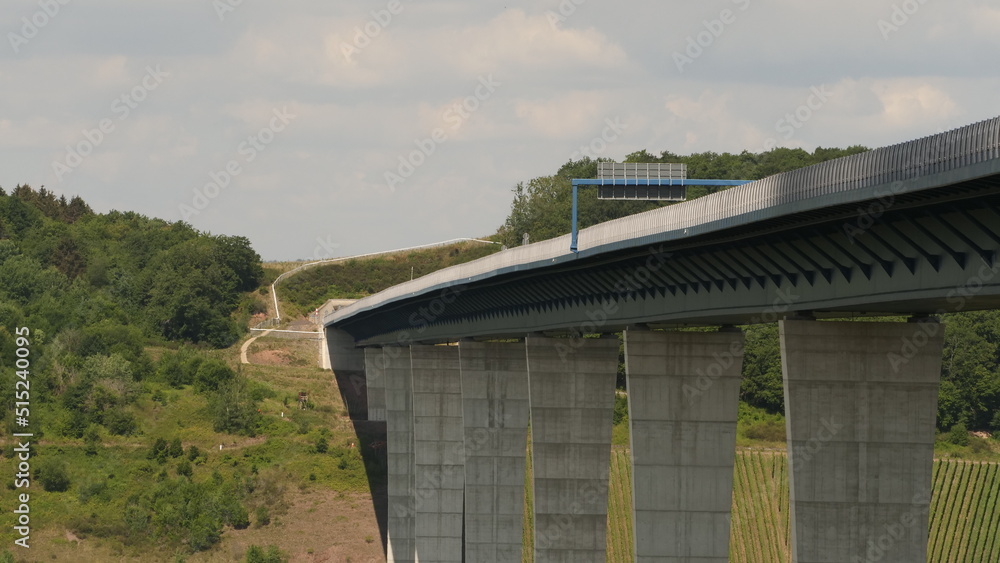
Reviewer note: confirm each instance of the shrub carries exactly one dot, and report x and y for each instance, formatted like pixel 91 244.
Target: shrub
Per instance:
pixel 257 554
pixel 768 430
pixel 184 468
pixel 193 453
pixel 322 445
pixel 959 435
pixel 175 450
pixel 263 516
pixel 52 475
pixel 213 374
pixel 91 440
pixel 120 423
pixel 158 451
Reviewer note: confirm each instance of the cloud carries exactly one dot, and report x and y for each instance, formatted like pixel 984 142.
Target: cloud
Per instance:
pixel 909 101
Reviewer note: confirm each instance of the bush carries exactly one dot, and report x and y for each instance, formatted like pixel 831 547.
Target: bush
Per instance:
pixel 158 451
pixel 322 445
pixel 120 423
pixel 768 430
pixel 263 516
pixel 184 468
pixel 91 440
pixel 204 532
pixel 193 453
pixel 93 489
pixel 52 475
pixel 959 435
pixel 256 554
pixel 175 450
pixel 213 374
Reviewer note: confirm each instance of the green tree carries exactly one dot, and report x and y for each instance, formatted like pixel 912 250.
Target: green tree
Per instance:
pixel 234 409
pixel 212 374
pixel 762 385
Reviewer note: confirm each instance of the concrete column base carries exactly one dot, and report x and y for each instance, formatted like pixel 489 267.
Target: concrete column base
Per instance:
pixel 572 393
pixel 683 391
pixel 495 400
pixel 861 403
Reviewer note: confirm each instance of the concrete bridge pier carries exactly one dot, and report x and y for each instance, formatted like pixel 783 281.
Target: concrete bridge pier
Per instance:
pixel 439 453
pixel 860 404
pixel 401 546
pixel 572 390
pixel 683 391
pixel 375 383
pixel 495 402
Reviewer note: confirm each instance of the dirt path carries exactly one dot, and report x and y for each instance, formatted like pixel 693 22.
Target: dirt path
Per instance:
pixel 246 346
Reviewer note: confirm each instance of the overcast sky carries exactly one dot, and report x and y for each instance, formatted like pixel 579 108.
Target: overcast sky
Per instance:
pixel 321 129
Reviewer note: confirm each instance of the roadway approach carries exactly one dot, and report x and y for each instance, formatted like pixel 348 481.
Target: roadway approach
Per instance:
pixel 457 363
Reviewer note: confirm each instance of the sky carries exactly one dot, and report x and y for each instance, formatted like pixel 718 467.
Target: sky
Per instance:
pixel 320 129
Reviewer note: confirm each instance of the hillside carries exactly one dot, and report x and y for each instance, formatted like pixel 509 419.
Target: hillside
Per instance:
pixel 358 277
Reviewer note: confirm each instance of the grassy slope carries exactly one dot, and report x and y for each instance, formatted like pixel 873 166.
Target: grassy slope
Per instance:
pixel 291 474
pixel 355 278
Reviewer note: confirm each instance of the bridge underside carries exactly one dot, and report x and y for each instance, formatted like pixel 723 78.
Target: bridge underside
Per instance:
pixel 912 230
pixel 919 253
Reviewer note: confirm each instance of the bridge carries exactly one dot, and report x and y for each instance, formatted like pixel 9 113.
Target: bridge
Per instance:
pixel 457 363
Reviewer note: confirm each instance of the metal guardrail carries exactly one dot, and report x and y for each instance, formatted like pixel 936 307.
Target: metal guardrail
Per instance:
pixel 973 149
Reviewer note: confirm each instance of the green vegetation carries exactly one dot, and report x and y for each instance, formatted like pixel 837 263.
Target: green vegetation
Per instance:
pixel 130 400
pixel 356 278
